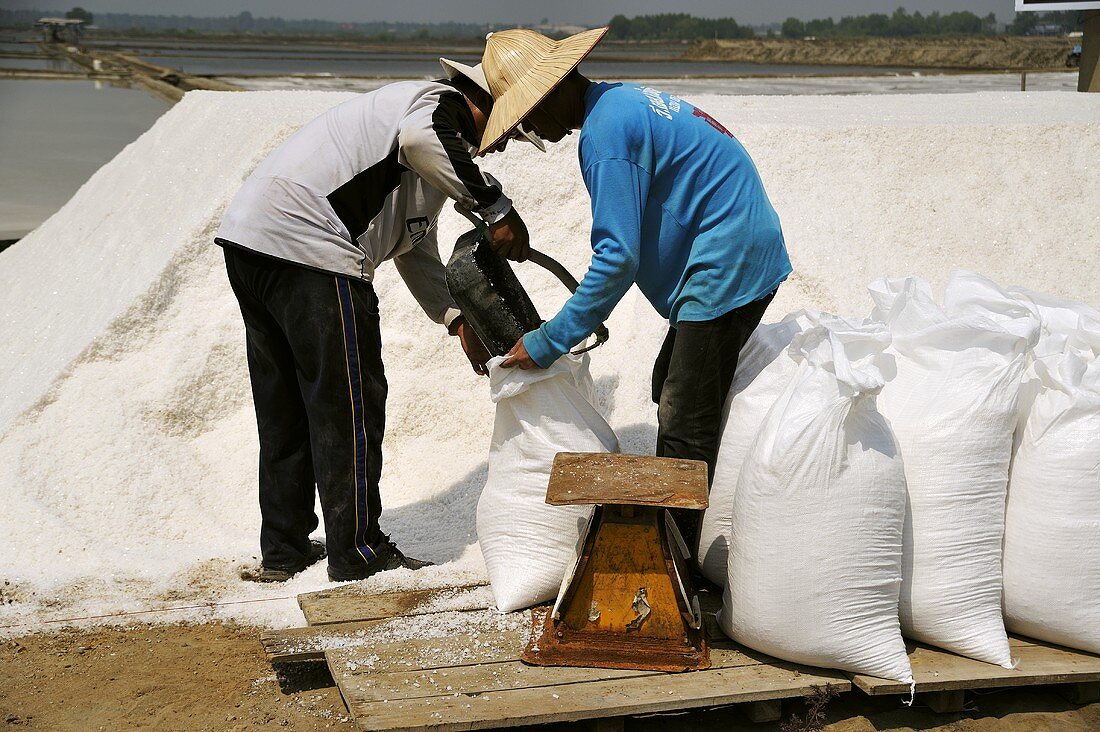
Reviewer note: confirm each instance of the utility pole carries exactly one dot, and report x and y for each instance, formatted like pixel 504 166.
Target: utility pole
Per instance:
pixel 1089 80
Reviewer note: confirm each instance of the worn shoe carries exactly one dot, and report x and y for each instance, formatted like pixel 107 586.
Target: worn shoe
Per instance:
pixel 317 552
pixel 387 558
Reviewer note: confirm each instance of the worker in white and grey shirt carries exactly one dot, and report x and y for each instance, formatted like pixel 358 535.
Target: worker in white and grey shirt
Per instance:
pixel 362 183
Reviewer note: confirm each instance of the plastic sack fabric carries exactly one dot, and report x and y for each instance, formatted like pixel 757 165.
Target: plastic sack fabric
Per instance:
pixel 1065 324
pixel 815 551
pixel 764 369
pixel 953 407
pixel 527 544
pixel 1052 525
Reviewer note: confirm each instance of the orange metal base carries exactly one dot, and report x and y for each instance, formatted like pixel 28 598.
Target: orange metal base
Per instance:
pixel 627 604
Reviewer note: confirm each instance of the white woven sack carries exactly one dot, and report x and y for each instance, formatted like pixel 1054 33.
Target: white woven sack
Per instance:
pixel 816 541
pixel 1052 531
pixel 527 544
pixel 953 408
pixel 1065 324
pixel 764 368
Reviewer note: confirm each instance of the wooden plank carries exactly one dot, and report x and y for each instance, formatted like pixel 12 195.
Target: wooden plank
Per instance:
pixel 938 670
pixel 597 699
pixel 405 679
pixel 350 603
pixel 309 644
pixel 465 680
pixel 579 478
pixel 295 645
pixel 424 656
pixel 485 639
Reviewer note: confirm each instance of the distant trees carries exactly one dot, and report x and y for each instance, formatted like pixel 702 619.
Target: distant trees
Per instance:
pixel 619 27
pixel 793 28
pixel 675 27
pixel 1028 24
pixel 900 24
pixel 245 23
pixel 665 26
pixel 79 13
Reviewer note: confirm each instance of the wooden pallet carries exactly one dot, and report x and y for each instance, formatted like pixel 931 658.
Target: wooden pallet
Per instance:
pixel 473 679
pixel 942 678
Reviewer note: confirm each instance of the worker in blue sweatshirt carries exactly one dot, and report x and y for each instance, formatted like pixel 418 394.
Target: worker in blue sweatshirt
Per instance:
pixel 678 208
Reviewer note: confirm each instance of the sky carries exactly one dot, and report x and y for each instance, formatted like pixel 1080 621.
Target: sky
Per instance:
pixel 583 12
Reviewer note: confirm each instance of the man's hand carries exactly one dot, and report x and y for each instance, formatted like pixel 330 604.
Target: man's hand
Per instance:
pixel 509 237
pixel 473 347
pixel 518 356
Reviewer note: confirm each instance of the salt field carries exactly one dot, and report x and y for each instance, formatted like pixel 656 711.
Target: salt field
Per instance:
pixel 127 440
pixel 883 82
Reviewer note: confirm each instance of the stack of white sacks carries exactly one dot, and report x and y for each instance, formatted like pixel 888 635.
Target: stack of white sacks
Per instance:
pixel 992 400
pixel 930 472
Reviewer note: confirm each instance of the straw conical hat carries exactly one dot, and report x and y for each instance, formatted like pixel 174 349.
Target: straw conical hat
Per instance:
pixel 522 68
pixel 476 75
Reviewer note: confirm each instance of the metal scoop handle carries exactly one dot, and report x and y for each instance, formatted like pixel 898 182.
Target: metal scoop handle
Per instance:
pixel 552 266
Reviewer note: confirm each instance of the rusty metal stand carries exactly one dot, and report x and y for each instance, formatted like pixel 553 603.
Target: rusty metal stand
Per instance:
pixel 628 603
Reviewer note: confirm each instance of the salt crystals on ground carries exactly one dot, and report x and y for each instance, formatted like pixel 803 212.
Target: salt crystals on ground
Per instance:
pixel 127 441
pixel 486 635
pixel 464 598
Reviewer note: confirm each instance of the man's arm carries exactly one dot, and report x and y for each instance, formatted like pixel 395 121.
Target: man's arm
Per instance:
pixel 619 189
pixel 426 277
pixel 432 147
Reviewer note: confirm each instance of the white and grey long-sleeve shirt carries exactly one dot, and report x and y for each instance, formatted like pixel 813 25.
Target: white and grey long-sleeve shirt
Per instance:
pixel 364 183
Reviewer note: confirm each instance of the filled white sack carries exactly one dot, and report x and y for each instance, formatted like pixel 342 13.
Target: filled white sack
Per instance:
pixel 1064 324
pixel 953 408
pixel 1052 531
pixel 528 545
pixel 816 542
pixel 764 368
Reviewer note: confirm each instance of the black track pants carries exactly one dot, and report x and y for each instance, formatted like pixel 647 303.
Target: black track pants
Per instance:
pixel 315 362
pixel 691 379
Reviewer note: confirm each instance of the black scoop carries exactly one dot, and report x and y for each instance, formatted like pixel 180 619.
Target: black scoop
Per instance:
pixel 489 294
pixel 491 297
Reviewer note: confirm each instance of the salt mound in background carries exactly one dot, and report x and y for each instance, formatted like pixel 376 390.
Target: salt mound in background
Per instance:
pixel 127 442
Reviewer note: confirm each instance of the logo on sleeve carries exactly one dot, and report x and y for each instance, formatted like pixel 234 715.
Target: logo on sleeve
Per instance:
pixel 711 121
pixel 418 228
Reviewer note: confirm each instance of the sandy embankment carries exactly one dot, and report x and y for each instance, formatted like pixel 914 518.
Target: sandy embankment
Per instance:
pixel 999 52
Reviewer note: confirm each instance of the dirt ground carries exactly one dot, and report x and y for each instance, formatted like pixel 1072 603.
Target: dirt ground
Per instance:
pixel 215 677
pixel 993 53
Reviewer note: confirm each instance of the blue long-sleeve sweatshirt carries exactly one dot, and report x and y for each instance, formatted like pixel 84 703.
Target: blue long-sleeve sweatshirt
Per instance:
pixel 677 206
